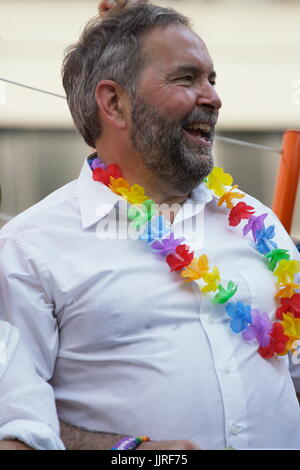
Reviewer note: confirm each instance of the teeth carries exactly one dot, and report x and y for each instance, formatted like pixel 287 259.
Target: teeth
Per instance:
pixel 202 126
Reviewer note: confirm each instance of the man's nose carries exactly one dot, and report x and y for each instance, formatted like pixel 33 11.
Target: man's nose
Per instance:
pixel 209 97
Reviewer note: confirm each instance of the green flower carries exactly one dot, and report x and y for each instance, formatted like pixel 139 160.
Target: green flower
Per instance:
pixel 140 214
pixel 225 294
pixel 276 255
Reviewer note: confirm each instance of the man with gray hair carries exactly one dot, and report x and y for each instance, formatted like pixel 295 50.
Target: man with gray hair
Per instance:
pixel 128 348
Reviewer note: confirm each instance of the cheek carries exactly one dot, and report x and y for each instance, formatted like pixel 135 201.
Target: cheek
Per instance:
pixel 179 102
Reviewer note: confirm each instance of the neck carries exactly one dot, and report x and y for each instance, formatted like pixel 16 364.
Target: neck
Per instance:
pixel 161 192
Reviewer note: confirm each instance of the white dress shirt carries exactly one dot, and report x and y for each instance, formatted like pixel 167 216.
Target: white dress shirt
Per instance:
pixel 130 348
pixel 27 409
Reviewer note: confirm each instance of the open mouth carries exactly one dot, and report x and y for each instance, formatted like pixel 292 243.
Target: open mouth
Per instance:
pixel 201 133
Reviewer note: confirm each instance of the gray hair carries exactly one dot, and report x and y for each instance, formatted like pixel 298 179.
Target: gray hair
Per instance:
pixel 109 49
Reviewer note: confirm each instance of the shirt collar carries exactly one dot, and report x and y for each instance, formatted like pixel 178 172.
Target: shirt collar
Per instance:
pixel 97 200
pixel 201 194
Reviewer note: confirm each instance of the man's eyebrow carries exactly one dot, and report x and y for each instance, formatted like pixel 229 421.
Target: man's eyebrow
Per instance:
pixel 182 69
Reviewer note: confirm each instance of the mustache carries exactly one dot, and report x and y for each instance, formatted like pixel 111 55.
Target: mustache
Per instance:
pixel 200 115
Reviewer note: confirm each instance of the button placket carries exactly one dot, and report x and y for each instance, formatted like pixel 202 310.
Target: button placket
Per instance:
pixel 233 394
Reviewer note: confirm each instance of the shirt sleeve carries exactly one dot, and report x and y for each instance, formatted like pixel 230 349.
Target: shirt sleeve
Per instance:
pixel 25 300
pixel 27 404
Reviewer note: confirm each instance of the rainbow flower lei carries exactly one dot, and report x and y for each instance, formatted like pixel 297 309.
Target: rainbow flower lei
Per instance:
pixel 275 337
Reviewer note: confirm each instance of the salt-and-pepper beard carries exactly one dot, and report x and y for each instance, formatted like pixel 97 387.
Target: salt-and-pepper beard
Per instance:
pixel 165 149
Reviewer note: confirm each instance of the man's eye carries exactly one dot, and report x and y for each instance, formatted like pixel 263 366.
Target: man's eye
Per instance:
pixel 186 78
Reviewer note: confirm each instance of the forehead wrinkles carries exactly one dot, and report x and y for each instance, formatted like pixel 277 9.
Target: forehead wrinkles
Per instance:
pixel 172 45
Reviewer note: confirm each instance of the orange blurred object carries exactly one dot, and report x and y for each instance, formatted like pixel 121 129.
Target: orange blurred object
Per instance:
pixel 287 179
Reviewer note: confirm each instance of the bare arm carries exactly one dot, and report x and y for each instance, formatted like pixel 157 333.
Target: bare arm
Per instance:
pixel 80 439
pixel 13 445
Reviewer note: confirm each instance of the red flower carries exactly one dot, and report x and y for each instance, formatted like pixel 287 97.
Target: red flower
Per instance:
pixel 180 258
pixel 289 304
pixel 103 174
pixel 239 212
pixel 277 344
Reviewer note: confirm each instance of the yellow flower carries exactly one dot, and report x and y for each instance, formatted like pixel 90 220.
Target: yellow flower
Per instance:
pixel 118 185
pixel 135 194
pixel 217 180
pixel 287 289
pixel 212 280
pixel 286 270
pixel 291 327
pixel 196 269
pixel 228 196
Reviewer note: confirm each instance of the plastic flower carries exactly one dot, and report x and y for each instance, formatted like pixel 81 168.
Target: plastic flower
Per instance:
pixel 291 305
pixel 156 228
pixel 240 314
pixel 291 327
pixel 276 255
pixel 286 270
pixel 103 174
pixel 225 294
pixel 140 214
pixel 212 280
pixel 135 194
pixel 264 244
pixel 259 329
pixel 118 185
pixel 181 258
pixel 287 290
pixel 239 212
pixel 217 180
pixel 167 245
pixel 196 269
pixel 96 163
pixel 254 224
pixel 278 341
pixel 228 196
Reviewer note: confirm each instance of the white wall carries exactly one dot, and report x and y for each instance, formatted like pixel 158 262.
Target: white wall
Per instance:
pixel 255 45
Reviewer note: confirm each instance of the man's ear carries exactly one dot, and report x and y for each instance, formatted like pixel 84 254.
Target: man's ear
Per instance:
pixel 111 101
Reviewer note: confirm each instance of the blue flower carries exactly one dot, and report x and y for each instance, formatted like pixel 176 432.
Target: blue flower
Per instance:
pixel 240 314
pixel 154 229
pixel 264 244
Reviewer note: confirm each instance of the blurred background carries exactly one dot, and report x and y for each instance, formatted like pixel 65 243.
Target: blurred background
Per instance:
pixel 255 45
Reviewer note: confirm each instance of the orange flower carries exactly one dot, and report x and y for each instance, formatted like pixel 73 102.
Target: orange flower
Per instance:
pixel 196 269
pixel 287 289
pixel 119 185
pixel 228 196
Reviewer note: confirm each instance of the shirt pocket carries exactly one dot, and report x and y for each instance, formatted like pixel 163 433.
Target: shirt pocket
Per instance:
pixel 261 284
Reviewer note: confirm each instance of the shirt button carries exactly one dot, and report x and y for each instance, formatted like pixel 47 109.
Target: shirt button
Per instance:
pixel 235 429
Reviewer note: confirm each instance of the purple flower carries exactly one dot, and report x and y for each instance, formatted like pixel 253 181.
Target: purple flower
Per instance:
pixel 260 328
pixel 167 245
pixel 254 224
pixel 96 163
